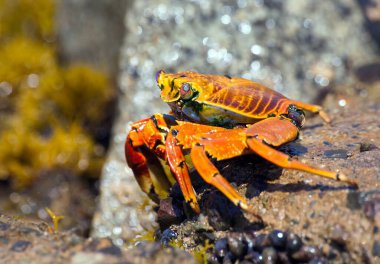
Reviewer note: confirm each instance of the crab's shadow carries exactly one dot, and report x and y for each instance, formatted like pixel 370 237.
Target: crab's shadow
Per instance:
pixel 257 174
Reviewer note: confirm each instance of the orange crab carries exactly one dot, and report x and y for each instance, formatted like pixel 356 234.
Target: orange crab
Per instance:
pixel 218 117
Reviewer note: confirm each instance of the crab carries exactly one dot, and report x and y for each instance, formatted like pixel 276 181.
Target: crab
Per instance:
pixel 214 117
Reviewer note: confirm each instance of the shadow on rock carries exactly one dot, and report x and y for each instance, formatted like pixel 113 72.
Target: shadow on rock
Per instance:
pixel 222 214
pixel 251 170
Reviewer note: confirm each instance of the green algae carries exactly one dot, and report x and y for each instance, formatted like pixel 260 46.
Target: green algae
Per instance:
pixel 200 252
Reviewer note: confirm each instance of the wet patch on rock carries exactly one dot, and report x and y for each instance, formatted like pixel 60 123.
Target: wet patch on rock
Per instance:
pixel 336 153
pixel 4 226
pixel 20 246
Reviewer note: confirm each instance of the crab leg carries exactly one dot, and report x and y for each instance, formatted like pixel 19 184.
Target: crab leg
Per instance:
pixel 212 176
pixel 179 168
pixel 316 109
pixel 223 144
pixel 201 139
pixel 275 132
pixel 144 144
pixel 138 163
pixel 146 169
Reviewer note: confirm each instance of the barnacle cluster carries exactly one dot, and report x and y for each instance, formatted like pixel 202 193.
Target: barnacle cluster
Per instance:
pixel 47 112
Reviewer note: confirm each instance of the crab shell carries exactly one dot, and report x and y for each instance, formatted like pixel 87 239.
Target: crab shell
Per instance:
pixel 220 100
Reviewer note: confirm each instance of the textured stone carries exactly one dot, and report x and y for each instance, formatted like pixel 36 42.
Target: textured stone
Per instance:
pixel 67 247
pixel 88 33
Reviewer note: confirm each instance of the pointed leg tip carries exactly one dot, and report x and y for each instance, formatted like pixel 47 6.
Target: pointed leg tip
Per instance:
pixel 344 178
pixel 325 116
pixel 252 212
pixel 353 183
pixel 195 207
pixel 243 205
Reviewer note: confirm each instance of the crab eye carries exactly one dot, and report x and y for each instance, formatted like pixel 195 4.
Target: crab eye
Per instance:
pixel 296 115
pixel 186 91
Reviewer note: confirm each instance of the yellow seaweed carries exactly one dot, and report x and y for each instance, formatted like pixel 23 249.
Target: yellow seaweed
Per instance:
pixel 46 119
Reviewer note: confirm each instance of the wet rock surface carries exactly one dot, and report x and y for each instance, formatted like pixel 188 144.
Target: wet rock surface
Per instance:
pixel 23 241
pixel 305 217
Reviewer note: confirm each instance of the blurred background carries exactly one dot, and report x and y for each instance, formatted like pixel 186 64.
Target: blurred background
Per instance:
pixel 58 70
pixel 74 74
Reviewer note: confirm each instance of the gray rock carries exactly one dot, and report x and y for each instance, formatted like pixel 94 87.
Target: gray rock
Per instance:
pixel 89 34
pixel 66 247
pixel 84 257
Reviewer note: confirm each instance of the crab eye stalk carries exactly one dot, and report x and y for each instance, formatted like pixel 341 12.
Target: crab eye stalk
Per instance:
pixel 158 73
pixel 185 91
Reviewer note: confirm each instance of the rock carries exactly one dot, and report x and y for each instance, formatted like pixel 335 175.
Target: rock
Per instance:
pixel 111 250
pixel 167 236
pixel 98 38
pixel 305 254
pixel 278 239
pixel 154 253
pixel 293 243
pixel 221 247
pixel 59 193
pixel 371 12
pixel 353 200
pixel 20 245
pixel 3 241
pixel 265 248
pixel 376 249
pixel 336 153
pixel 223 215
pixel 365 146
pixel 371 208
pixel 67 247
pixel 4 226
pixel 96 258
pixel 237 245
pixel 169 213
pixel 262 241
pixel 270 255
